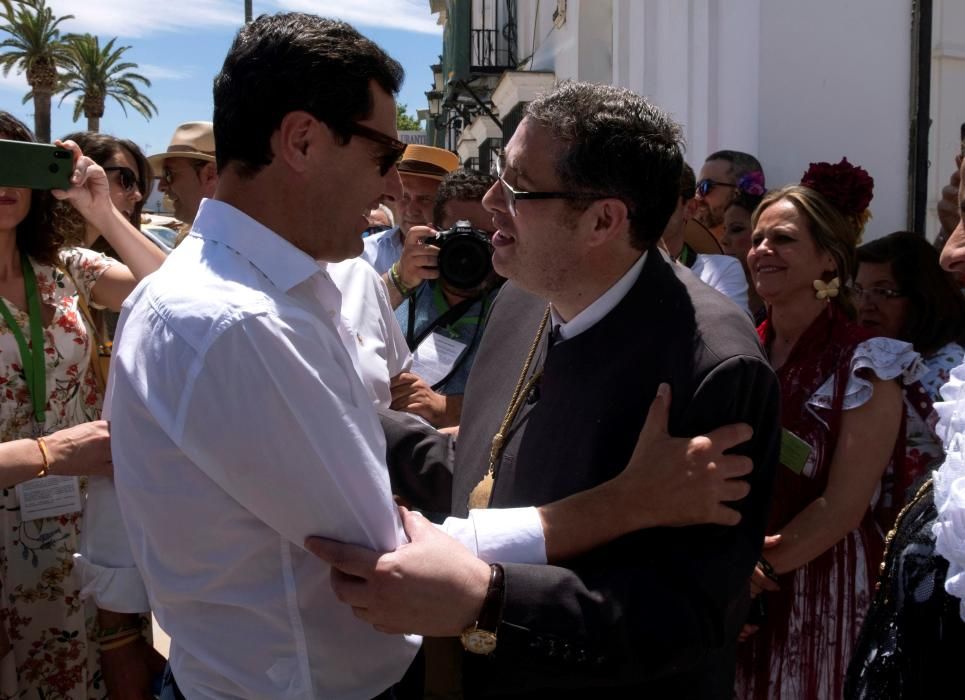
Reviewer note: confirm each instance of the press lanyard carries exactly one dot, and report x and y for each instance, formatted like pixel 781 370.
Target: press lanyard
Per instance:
pixel 32 358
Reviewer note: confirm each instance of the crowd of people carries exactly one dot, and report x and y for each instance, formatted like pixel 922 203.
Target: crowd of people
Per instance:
pixel 385 427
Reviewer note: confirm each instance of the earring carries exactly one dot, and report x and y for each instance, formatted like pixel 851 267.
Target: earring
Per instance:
pixel 826 290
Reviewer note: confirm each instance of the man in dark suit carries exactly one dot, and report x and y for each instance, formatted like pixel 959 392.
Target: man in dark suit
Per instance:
pixel 593 321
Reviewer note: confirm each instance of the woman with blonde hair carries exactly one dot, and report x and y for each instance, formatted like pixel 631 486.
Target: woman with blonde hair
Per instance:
pixel 838 386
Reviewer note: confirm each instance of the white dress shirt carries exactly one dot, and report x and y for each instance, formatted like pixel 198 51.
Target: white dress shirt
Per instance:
pixel 381 250
pixel 245 429
pixel 371 321
pixel 725 274
pixel 601 306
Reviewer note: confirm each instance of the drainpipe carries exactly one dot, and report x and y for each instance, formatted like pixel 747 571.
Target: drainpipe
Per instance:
pixel 921 47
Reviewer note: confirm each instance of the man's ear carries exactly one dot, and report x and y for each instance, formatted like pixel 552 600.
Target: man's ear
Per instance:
pixel 609 218
pixel 208 175
pixel 295 137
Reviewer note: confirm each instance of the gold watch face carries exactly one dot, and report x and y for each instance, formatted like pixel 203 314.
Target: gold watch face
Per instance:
pixel 477 641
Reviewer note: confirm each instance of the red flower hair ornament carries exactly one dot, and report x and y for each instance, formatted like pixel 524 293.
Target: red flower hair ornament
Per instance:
pixel 848 187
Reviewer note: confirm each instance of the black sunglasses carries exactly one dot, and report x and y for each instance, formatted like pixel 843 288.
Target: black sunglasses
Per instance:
pixel 395 147
pixel 125 176
pixel 705 187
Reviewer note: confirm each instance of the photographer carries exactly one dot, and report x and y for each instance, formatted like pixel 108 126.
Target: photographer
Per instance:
pixel 443 315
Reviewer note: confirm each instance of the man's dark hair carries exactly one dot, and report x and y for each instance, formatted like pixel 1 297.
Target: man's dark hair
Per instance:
pixel 688 182
pixel 936 307
pixel 289 62
pixel 740 163
pixel 616 143
pixel 461 185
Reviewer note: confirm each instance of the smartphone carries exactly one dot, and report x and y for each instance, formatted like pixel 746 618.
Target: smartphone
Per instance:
pixel 37 166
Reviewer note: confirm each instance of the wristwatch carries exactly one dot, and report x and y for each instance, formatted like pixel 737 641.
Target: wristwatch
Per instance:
pixel 480 638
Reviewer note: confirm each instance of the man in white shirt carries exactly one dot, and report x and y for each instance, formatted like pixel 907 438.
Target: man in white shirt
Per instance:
pixel 245 427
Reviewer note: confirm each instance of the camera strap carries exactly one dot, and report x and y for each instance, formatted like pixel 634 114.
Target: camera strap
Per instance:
pixel 31 357
pixel 452 314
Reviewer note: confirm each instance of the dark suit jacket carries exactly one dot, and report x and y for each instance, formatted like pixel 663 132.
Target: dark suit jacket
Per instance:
pixel 656 613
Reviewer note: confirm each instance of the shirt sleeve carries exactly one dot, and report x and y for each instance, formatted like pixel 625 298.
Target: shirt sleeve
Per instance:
pixel 86 267
pixel 104 561
pixel 501 535
pixel 302 425
pixel 397 352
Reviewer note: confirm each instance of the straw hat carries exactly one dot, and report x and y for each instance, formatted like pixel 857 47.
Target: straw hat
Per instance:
pixel 427 161
pixel 700 239
pixel 191 140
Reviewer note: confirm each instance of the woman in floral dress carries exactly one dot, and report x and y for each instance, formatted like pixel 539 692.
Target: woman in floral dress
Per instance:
pixel 46 627
pixel 838 387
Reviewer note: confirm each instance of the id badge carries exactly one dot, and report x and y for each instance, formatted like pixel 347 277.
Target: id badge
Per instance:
pixel 435 357
pixel 794 452
pixel 48 497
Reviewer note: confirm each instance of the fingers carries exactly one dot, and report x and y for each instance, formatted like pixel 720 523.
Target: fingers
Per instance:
pixel 414 524
pixel 357 561
pixel 733 466
pixel 728 436
pixel 771 541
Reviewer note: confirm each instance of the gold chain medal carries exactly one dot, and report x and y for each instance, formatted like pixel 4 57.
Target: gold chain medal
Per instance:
pixel 482 493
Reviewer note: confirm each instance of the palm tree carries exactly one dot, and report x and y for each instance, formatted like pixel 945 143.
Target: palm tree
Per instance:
pixel 33 47
pixel 95 73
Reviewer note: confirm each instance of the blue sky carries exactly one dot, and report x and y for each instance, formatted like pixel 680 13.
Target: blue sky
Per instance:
pixel 181 44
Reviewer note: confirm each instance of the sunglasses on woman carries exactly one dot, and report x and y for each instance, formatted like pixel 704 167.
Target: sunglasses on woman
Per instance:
pixel 125 177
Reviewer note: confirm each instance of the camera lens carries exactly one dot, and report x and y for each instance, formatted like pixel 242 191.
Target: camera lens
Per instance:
pixel 54 168
pixel 465 261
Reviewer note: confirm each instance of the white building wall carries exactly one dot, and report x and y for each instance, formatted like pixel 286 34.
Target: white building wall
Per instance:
pixel 835 81
pixel 790 81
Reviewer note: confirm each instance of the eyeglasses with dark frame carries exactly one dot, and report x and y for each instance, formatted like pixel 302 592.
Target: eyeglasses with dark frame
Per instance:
pixel 512 194
pixel 395 147
pixel 876 294
pixel 706 186
pixel 167 175
pixel 125 177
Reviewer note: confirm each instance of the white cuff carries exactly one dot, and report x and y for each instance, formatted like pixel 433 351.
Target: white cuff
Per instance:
pixel 115 589
pixel 511 535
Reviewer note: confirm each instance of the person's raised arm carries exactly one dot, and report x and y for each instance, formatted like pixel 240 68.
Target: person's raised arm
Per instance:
pixel 89 194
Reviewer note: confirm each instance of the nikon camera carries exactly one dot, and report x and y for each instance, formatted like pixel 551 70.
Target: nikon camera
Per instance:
pixel 465 255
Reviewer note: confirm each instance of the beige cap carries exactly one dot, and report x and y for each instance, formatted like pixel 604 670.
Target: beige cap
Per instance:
pixel 191 140
pixel 427 161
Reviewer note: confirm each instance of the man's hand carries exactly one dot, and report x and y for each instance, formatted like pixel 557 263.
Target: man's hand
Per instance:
pixel 949 213
pixel 432 585
pixel 411 393
pixel 82 450
pixel 419 261
pixel 668 481
pixel 684 481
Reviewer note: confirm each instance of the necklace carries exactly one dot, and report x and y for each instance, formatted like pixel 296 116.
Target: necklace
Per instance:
pixel 483 491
